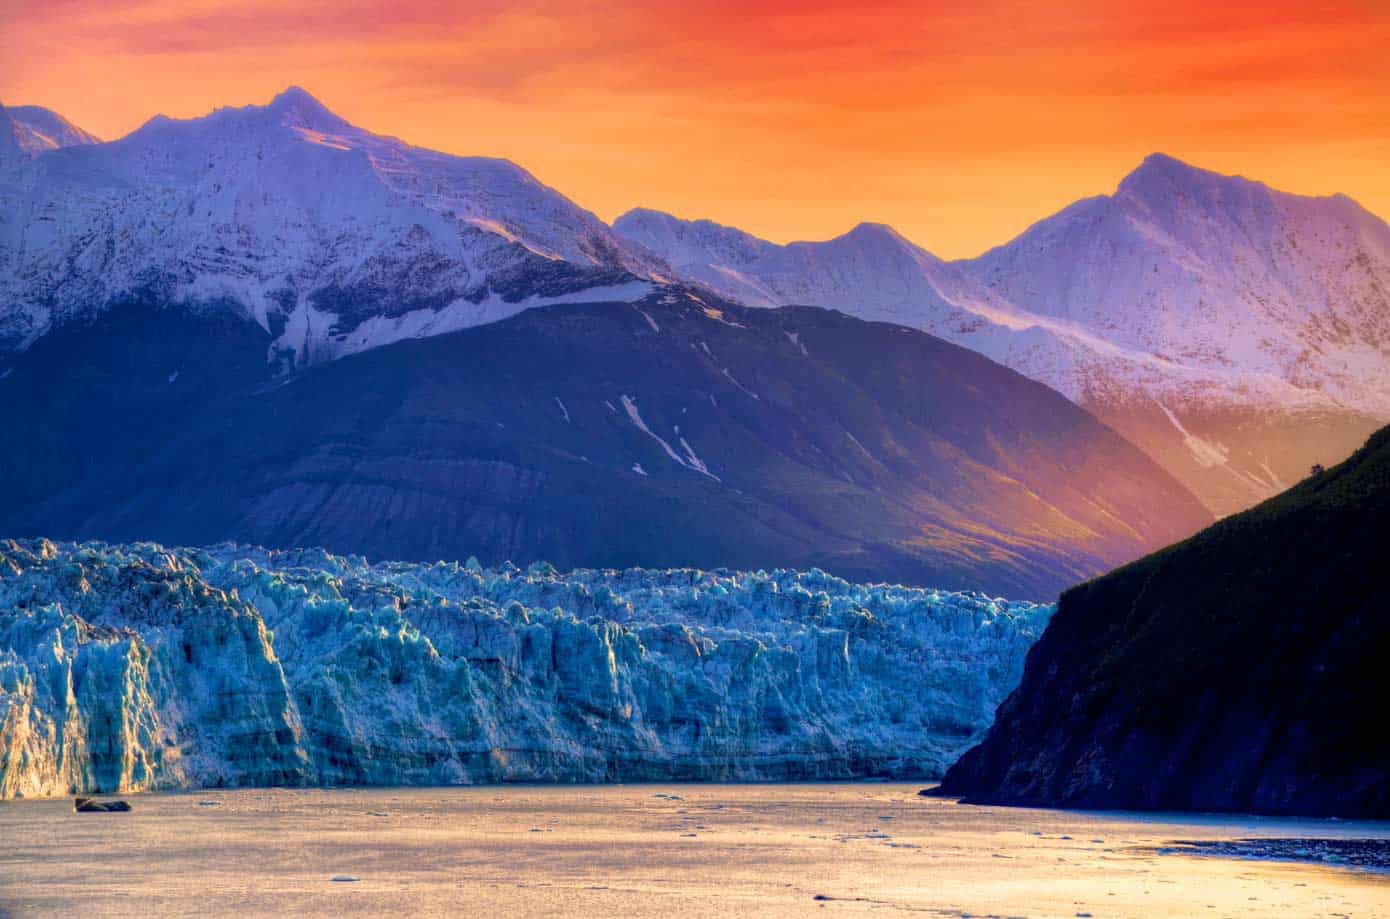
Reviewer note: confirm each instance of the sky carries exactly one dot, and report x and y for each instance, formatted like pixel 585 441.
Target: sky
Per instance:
pixel 958 122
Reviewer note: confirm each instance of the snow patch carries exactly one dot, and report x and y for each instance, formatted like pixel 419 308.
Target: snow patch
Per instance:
pixel 717 315
pixel 862 448
pixel 1208 453
pixel 745 389
pixel 691 461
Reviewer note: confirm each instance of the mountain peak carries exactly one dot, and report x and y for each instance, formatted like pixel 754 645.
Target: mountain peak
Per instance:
pixel 47 130
pixel 868 230
pixel 1160 173
pixel 294 96
pixel 299 108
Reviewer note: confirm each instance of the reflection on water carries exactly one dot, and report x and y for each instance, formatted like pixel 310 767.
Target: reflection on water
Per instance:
pixel 668 851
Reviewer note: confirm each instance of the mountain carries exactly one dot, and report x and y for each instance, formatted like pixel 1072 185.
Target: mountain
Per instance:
pixel 244 326
pixel 39 129
pixel 328 237
pixel 1226 673
pixel 677 430
pixel 130 668
pixel 1274 310
pixel 1236 333
pixel 870 271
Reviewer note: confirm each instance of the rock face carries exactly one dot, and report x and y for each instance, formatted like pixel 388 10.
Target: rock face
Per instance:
pixel 1227 673
pixel 678 430
pixel 126 668
pixel 1223 326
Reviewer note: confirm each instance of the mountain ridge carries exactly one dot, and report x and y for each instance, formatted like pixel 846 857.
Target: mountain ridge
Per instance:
pixel 604 434
pixel 1236 333
pixel 305 224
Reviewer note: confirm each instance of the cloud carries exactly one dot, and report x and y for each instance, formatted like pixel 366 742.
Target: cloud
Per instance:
pixel 795 117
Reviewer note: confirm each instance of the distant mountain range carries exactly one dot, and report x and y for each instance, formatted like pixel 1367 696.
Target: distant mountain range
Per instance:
pixel 260 325
pixel 1227 673
pixel 1236 333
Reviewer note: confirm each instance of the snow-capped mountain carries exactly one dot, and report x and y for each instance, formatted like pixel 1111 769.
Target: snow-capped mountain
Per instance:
pixel 1216 274
pixel 39 129
pixel 1236 332
pixel 871 271
pixel 330 237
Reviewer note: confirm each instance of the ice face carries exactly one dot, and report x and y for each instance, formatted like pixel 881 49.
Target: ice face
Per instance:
pixel 140 667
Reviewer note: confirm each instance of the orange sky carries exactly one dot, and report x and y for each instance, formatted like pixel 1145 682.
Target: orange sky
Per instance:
pixel 959 122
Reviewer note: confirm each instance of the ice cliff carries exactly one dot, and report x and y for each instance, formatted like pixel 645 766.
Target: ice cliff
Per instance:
pixel 142 667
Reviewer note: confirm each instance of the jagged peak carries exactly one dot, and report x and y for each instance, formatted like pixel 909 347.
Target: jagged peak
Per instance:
pixel 642 220
pixel 295 96
pixel 645 213
pixel 1160 174
pixel 868 230
pixel 299 107
pixel 1160 171
pixel 881 237
pixel 651 215
pixel 50 127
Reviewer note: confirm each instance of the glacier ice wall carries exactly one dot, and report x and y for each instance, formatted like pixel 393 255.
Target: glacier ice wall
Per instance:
pixel 136 667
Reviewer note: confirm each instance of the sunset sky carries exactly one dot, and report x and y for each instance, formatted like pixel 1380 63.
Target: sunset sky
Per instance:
pixel 958 122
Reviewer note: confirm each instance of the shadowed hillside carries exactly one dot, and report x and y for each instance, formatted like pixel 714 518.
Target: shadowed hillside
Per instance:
pixel 674 431
pixel 1233 671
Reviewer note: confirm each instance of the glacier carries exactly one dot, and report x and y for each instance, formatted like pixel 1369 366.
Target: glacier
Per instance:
pixel 139 667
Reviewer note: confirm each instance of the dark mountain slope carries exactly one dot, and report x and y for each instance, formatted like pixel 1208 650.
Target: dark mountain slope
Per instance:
pixel 1236 671
pixel 792 437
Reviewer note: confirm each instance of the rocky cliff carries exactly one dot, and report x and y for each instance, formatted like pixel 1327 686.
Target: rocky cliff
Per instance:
pixel 1235 671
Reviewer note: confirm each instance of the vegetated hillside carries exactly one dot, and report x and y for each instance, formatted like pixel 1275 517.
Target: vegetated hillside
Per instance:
pixel 1236 671
pixel 675 431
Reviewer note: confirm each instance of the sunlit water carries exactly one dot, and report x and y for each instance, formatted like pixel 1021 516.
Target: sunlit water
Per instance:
pixel 649 850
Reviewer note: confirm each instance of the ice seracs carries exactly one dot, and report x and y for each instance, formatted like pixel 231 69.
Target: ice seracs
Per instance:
pixel 125 668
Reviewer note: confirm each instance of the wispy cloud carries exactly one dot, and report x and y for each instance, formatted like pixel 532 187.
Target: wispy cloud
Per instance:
pixel 959 121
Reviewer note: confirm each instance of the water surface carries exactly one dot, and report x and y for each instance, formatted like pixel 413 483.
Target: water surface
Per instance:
pixel 654 850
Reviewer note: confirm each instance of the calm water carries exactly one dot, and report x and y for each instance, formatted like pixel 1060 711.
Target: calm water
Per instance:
pixel 648 850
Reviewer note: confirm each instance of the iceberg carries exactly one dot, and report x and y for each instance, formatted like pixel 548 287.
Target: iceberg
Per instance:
pixel 138 667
